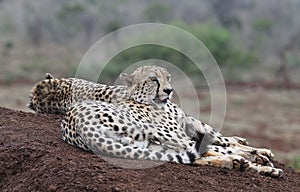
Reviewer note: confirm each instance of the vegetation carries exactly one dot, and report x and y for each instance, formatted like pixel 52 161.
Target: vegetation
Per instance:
pixel 245 37
pixel 296 163
pixel 217 39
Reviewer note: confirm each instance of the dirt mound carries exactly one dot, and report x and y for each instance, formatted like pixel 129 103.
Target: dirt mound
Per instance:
pixel 34 158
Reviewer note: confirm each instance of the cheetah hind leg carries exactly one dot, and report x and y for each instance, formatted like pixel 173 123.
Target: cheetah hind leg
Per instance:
pixel 105 146
pixel 126 141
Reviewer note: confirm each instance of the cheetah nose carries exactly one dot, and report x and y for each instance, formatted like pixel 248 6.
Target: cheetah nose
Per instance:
pixel 168 91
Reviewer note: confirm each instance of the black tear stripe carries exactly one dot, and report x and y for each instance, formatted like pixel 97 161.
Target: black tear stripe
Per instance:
pixel 158 86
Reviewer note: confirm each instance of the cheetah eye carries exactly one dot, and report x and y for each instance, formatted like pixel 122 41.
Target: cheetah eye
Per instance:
pixel 169 78
pixel 154 79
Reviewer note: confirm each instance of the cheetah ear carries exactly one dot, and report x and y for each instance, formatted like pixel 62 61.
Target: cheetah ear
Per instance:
pixel 127 79
pixel 48 76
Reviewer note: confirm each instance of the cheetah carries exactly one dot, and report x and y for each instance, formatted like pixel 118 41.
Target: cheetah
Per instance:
pixel 139 121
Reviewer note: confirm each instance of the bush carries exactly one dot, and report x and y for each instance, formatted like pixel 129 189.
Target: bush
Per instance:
pixel 217 39
pixel 296 163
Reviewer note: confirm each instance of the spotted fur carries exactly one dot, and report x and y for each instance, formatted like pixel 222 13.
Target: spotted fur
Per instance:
pixel 139 121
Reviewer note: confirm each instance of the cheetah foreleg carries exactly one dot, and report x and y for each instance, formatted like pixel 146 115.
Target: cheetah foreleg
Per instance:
pixel 239 163
pixel 259 151
pixel 193 125
pixel 250 155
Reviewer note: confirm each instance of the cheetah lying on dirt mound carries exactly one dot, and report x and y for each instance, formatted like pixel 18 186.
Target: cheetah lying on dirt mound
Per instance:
pixel 138 121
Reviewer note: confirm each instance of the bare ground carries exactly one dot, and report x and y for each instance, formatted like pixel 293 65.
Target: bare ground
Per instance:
pixel 34 158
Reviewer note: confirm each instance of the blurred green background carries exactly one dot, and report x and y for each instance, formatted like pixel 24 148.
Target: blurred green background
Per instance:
pixel 252 41
pixel 256 44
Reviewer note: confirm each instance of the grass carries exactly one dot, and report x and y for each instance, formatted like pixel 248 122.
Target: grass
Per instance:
pixel 296 163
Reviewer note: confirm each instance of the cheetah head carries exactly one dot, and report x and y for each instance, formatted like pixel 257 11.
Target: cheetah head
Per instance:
pixel 149 84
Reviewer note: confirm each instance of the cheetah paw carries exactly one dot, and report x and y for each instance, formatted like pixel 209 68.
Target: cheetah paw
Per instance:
pixel 274 172
pixel 240 164
pixel 263 160
pixel 240 140
pixel 265 152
